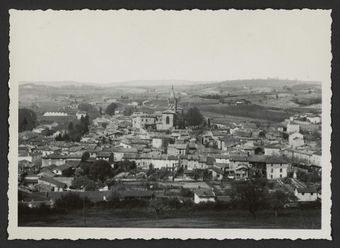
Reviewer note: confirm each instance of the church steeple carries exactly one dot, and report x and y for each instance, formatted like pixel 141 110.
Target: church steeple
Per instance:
pixel 172 101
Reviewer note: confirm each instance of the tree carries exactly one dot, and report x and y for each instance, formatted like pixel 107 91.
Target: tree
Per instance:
pixel 197 174
pixel 126 165
pixel 180 121
pixel 83 182
pixel 128 111
pixel 110 110
pixel 157 205
pixel 27 119
pixel 86 107
pixel 180 171
pixel 207 175
pixel 100 170
pixel 194 117
pixel 278 199
pixel 68 172
pixel 104 125
pixel 85 156
pixel 72 201
pixel 84 124
pixel 250 195
pixel 70 126
pixel 59 137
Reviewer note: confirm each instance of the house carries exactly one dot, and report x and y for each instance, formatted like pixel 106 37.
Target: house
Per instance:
pixel 157 142
pixel 314 119
pixel 177 149
pixel 107 156
pixel 59 114
pixel 80 114
pixel 296 140
pixel 241 172
pixel 53 159
pixel 229 142
pixel 236 161
pixel 292 128
pixel 143 120
pixel 120 153
pixel 204 196
pixel 306 194
pixel 47 171
pixel 24 155
pixel 216 173
pixel 271 167
pixel 62 169
pixel 50 184
pixel 276 170
pixel 272 150
pixel 157 161
pixel 316 159
pixel 24 165
pixel 245 133
pixel 221 158
pixel 30 180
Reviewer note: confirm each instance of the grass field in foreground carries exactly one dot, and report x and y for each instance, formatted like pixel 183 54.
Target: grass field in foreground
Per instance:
pixel 143 218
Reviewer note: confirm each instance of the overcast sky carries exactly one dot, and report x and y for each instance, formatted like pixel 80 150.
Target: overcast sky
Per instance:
pixel 110 46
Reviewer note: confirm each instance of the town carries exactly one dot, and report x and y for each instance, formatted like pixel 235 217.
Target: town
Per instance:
pixel 124 151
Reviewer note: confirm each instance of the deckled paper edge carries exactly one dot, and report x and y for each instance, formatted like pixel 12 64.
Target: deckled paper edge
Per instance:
pixel 44 233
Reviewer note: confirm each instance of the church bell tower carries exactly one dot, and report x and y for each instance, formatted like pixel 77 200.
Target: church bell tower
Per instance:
pixel 172 100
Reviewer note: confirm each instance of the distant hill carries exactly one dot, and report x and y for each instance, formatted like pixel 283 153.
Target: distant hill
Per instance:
pixel 132 83
pixel 262 83
pixel 151 83
pixel 55 83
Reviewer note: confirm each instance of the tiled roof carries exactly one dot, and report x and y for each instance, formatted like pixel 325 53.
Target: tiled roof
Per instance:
pixel 204 193
pixel 52 181
pixel 306 190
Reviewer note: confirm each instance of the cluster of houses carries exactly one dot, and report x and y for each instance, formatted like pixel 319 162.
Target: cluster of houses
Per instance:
pixel 237 151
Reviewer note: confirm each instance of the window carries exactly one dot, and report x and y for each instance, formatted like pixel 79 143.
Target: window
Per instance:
pixel 271 170
pixel 280 175
pixel 281 170
pixel 167 120
pixel 311 193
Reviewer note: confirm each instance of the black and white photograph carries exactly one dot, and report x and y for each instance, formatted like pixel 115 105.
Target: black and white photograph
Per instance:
pixel 170 124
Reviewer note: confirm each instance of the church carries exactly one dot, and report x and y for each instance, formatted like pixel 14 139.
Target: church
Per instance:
pixel 169 116
pixel 161 121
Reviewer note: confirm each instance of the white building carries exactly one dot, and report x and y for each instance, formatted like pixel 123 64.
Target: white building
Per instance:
pixel 296 140
pixel 177 149
pixel 292 128
pixel 55 114
pixel 145 161
pixel 80 114
pixel 276 170
pixel 314 119
pixel 204 196
pixel 142 120
pixel 157 142
pixel 306 194
pixel 272 150
pixel 167 120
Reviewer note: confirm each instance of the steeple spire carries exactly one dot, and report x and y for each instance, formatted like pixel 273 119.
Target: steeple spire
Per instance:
pixel 172 101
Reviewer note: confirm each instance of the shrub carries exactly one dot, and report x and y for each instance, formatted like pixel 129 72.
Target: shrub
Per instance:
pixel 72 201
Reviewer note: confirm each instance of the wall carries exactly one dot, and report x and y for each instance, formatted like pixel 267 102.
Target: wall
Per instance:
pixel 306 196
pixel 273 171
pixel 199 200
